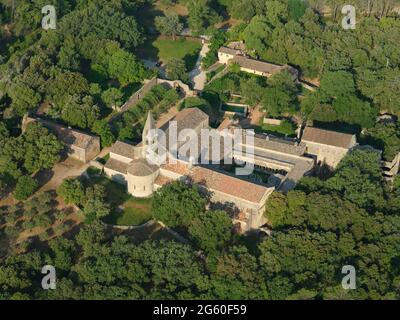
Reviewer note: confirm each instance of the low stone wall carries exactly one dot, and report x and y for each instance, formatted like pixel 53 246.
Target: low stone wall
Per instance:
pixel 180 84
pixel 135 98
pixel 274 122
pixel 96 164
pixel 146 224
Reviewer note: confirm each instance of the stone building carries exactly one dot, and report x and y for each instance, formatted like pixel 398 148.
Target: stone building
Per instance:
pixel 78 145
pixel 244 198
pixel 261 68
pixel 128 165
pixel 329 147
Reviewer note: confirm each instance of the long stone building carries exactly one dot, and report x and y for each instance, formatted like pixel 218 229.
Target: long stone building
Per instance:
pixel 329 147
pixel 228 55
pixel 78 145
pixel 284 162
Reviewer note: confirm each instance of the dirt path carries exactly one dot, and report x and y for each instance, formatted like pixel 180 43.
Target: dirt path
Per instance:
pixel 198 76
pixel 62 170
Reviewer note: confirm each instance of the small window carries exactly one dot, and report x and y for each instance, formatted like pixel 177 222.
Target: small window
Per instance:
pixel 144 188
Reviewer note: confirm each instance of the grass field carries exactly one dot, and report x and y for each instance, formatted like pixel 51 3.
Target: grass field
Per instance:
pixel 286 128
pixel 135 211
pixel 125 209
pixel 161 49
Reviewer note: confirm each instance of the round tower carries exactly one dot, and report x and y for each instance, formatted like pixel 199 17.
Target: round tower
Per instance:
pixel 141 176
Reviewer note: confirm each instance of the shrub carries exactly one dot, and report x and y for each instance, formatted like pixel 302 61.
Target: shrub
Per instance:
pixel 26 186
pixel 72 191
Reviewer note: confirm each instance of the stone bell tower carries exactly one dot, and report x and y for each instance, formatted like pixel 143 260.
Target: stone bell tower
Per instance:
pixel 148 136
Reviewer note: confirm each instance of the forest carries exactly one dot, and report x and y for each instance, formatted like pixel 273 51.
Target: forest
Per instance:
pixel 76 73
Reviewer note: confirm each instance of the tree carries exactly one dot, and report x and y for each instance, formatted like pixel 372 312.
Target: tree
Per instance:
pixel 72 191
pixel 103 129
pixel 95 206
pixel 386 137
pixel 256 34
pixel 211 231
pixel 80 111
pixel 237 276
pixel 169 25
pixel 23 97
pixel 4 134
pixel 63 252
pixel 112 97
pixel 358 178
pixel 252 90
pixel 177 204
pixel 176 70
pixel 26 186
pixel 201 15
pixel 42 148
pixel 68 57
pixel 280 96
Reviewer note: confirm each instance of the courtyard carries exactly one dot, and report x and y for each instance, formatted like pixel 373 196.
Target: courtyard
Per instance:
pixel 125 209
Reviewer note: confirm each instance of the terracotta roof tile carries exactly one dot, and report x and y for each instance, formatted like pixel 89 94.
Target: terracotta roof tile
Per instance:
pixel 162 180
pixel 116 165
pixel 123 149
pixel 229 50
pixel 71 137
pixel 141 167
pixel 228 184
pixel 328 137
pixel 257 65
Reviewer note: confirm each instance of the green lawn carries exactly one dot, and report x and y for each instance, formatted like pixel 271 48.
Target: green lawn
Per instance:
pixel 125 209
pixel 135 211
pixel 286 128
pixel 166 49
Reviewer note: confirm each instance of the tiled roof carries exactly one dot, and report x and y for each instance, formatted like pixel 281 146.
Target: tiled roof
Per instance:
pixel 278 145
pixel 179 167
pixel 141 168
pixel 228 50
pixel 71 137
pixel 123 149
pixel 327 137
pixel 257 65
pixel 116 165
pixel 190 118
pixel 162 181
pixel 227 184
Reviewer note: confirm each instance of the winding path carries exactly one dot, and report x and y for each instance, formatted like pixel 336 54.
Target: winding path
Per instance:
pixel 198 76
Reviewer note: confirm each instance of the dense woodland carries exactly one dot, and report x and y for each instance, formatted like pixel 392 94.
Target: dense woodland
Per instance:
pixel 76 73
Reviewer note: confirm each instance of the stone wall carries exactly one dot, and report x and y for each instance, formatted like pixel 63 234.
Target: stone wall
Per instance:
pixel 329 155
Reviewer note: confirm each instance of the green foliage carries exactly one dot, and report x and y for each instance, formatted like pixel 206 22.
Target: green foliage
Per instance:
pixel 42 148
pixel 103 129
pixel 72 191
pixel 23 98
pixel 281 95
pixel 177 204
pixel 112 97
pixel 385 137
pixel 168 25
pixel 25 187
pixel 95 205
pixel 195 102
pixel 211 231
pixel 358 178
pixel 176 70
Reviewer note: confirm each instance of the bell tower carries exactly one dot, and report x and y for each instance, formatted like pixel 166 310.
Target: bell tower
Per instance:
pixel 149 136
